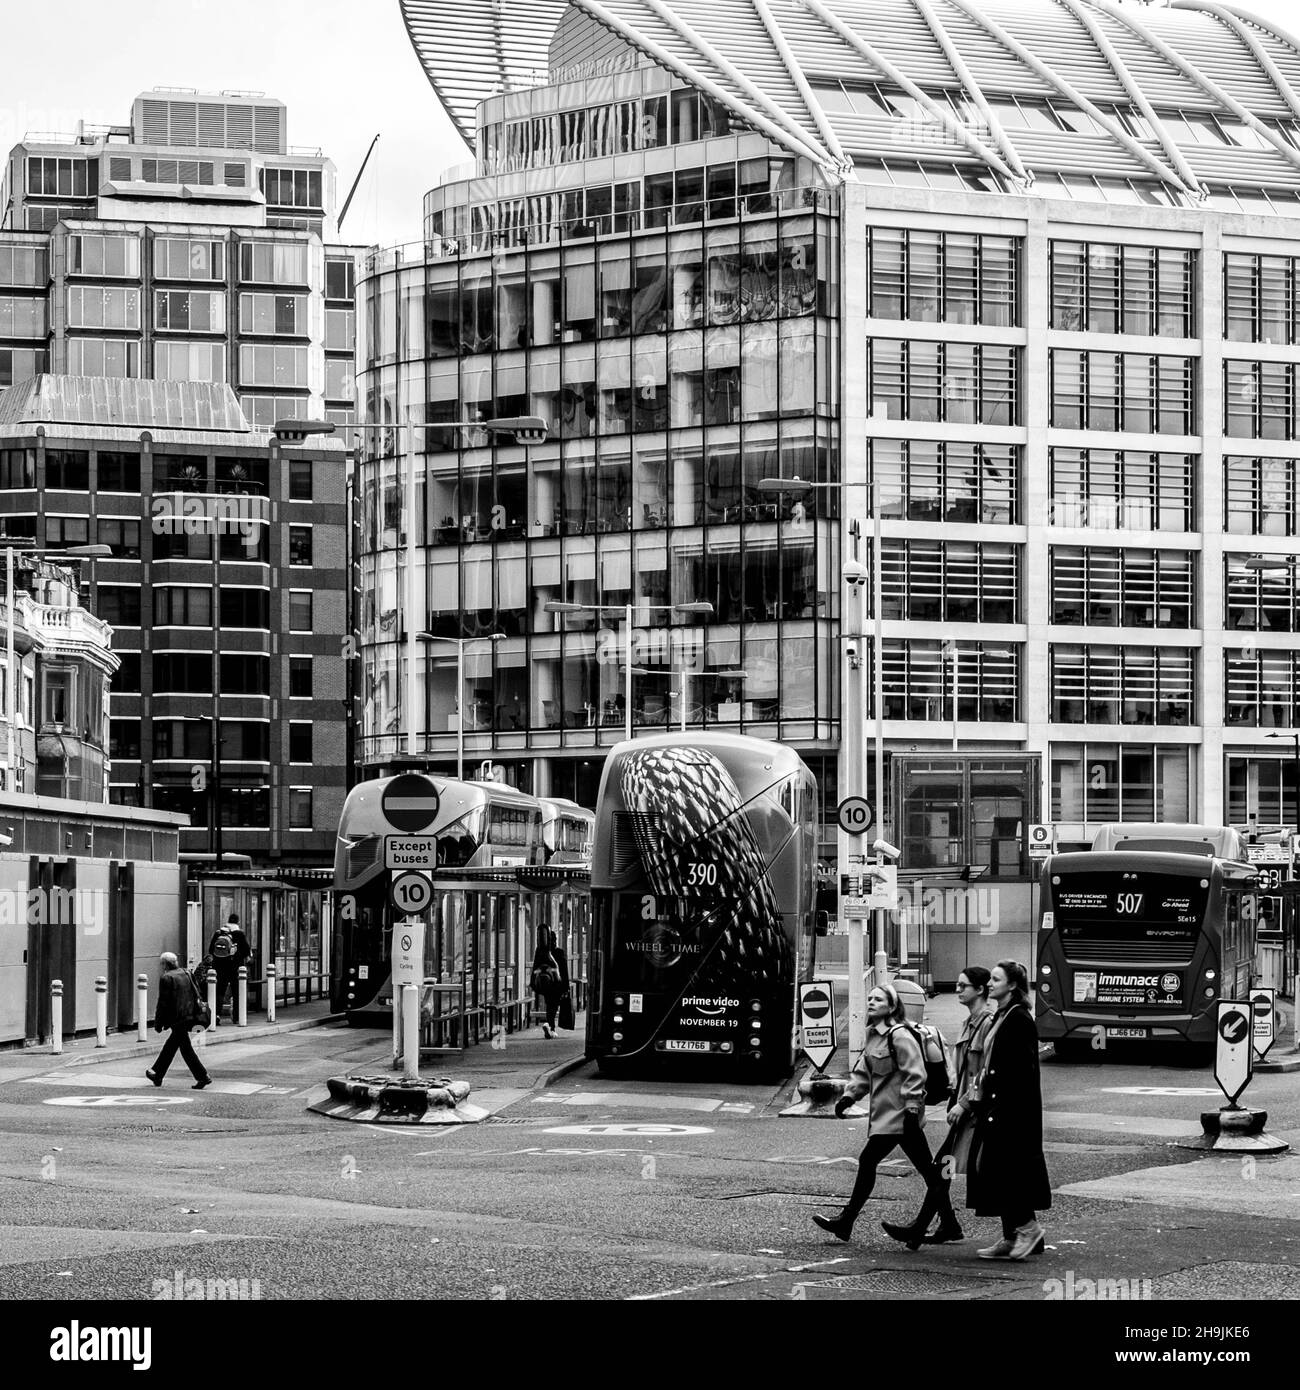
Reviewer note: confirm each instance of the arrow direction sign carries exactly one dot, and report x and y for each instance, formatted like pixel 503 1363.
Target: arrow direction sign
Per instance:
pixel 817 1021
pixel 1232 1050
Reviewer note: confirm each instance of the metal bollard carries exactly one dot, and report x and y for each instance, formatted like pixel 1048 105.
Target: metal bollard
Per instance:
pixel 410 1032
pixel 270 992
pixel 56 1016
pixel 101 1011
pixel 142 1008
pixel 397 1024
pixel 212 997
pixel 241 996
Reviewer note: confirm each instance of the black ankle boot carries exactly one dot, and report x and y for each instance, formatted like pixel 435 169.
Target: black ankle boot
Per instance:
pixel 911 1236
pixel 948 1230
pixel 839 1226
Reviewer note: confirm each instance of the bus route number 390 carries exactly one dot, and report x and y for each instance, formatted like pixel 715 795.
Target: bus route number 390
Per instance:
pixel 700 875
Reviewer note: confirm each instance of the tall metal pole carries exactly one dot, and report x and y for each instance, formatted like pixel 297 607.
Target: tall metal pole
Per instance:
pixel 216 700
pixel 852 847
pixel 881 961
pixel 683 688
pixel 460 709
pixel 412 626
pixel 11 704
pixel 627 691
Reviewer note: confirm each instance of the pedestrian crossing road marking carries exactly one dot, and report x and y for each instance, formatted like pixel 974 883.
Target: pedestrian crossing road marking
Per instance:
pixel 650 1101
pixel 119 1100
pixel 675 1131
pixel 1161 1090
pixel 141 1083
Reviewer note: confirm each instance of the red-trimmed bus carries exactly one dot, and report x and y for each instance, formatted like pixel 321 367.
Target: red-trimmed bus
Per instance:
pixel 703 885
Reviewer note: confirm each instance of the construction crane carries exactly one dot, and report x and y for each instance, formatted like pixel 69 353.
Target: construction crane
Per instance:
pixel 347 203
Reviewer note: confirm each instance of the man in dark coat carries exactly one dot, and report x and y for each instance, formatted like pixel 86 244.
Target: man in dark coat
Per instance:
pixel 1007 1176
pixel 177 1010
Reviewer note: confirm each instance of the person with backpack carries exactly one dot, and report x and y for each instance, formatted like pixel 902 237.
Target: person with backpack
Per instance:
pixel 229 950
pixel 892 1068
pixel 178 1010
pixel 973 992
pixel 550 977
pixel 1007 1174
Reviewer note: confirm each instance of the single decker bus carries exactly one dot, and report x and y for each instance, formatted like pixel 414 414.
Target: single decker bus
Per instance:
pixel 703 885
pixel 1139 937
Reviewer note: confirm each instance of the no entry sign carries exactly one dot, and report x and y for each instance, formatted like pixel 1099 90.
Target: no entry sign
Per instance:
pixel 409 803
pixel 817 1021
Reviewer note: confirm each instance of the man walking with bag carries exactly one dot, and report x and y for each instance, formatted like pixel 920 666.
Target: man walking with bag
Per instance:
pixel 229 950
pixel 178 1009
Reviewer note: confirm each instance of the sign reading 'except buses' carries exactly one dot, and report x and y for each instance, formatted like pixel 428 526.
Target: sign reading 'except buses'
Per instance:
pixel 1262 1021
pixel 410 851
pixel 817 1021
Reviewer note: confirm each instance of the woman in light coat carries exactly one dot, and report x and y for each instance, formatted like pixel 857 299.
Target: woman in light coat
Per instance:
pixel 973 992
pixel 892 1068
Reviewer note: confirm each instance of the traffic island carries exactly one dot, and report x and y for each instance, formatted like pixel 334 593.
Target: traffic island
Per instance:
pixel 381 1100
pixel 1236 1129
pixel 817 1097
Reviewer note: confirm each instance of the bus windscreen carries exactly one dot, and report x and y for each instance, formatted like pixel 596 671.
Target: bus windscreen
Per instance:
pixel 1159 846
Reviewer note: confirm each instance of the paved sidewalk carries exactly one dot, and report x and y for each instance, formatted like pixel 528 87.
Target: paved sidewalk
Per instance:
pixel 82 1051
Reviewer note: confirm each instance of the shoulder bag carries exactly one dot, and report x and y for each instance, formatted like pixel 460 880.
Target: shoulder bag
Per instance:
pixel 202 1014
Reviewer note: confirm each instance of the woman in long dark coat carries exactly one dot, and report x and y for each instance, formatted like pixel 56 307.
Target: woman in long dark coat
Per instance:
pixel 1007 1175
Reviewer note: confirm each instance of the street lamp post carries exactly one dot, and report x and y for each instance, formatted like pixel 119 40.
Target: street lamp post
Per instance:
pixel 555 606
pixel 11 543
pixel 460 644
pixel 854 779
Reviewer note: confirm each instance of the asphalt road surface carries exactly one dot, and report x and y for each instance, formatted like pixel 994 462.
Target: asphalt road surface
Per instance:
pixel 596 1190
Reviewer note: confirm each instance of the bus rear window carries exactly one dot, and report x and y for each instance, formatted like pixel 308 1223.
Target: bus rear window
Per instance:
pixel 1159 846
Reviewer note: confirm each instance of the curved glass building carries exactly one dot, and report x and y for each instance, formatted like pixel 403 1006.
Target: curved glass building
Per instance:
pixel 1016 283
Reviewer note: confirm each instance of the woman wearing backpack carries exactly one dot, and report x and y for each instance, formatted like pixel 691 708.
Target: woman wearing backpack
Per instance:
pixel 1007 1176
pixel 550 978
pixel 892 1067
pixel 973 991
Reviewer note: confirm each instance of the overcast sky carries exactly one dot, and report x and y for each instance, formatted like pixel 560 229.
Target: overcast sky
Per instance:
pixel 344 68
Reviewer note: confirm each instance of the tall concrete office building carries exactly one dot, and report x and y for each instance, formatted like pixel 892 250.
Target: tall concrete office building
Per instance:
pixel 168 289
pixel 1020 280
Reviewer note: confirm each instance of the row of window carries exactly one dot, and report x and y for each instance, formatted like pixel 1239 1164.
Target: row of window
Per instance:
pixel 190 673
pixel 191 606
pixel 956 383
pixel 23 265
pixel 602 131
pixel 1126 391
pixel 243 807
pixel 1106 288
pixel 942 277
pixel 124 537
pixel 117 255
pixel 1102 782
pixel 119 471
pixel 925 480
pixel 1123 685
pixel 611 485
pixel 680 198
pixel 284 367
pixel 21 317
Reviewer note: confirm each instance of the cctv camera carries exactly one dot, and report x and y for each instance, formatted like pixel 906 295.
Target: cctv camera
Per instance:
pixel 6 838
pixel 855 573
pixel 888 850
pixel 851 653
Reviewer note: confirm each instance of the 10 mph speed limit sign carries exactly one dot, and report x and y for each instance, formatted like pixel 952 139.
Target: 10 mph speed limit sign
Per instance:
pixel 854 814
pixel 410 893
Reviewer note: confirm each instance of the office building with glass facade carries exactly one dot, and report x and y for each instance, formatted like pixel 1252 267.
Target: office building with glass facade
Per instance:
pixel 1022 280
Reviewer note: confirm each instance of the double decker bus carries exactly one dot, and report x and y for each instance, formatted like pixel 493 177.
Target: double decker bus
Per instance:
pixel 1141 936
pixel 481 923
pixel 703 887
